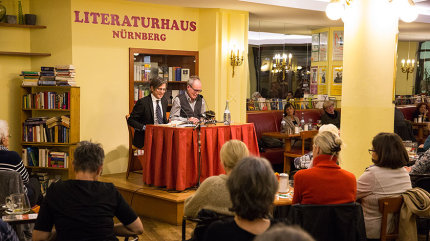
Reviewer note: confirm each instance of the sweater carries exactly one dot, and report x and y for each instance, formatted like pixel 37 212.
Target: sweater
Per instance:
pixel 377 182
pixel 334 119
pixel 11 161
pixel 324 183
pixel 212 194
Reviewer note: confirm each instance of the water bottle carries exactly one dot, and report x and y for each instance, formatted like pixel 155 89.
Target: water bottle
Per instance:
pixel 283 124
pixel 227 115
pixel 302 121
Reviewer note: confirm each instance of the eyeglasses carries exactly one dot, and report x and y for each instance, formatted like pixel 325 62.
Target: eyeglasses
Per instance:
pixel 161 89
pixel 198 91
pixel 371 151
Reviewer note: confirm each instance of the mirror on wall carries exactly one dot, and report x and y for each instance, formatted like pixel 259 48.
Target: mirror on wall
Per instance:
pixel 279 63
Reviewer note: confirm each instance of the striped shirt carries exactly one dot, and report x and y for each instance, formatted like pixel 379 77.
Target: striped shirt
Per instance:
pixel 11 161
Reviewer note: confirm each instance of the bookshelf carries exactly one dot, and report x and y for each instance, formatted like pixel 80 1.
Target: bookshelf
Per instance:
pixel 44 127
pixel 144 63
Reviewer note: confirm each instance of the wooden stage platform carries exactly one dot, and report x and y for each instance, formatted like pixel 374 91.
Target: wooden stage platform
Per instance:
pixel 157 203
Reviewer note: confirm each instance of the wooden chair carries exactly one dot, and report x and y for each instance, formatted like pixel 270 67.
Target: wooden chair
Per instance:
pixel 389 205
pixel 131 150
pixel 298 152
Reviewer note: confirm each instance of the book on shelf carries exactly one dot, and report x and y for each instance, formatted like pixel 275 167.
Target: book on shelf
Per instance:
pixel 44 157
pixel 46 100
pixel 178 74
pixel 54 129
pixel 185 74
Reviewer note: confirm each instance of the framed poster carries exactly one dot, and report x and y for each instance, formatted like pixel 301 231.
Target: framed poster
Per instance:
pixel 314 80
pixel 323 46
pixel 337 45
pixel 336 85
pixel 322 80
pixel 315 47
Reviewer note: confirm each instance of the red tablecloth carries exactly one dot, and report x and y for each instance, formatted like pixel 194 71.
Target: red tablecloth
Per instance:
pixel 171 154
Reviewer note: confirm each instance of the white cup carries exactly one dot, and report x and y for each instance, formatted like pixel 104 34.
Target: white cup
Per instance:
pixel 296 130
pixel 284 183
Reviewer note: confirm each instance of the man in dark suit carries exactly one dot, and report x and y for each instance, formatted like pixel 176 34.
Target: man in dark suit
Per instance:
pixel 149 110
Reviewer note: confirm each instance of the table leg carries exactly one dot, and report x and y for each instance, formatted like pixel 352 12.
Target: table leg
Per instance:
pixel 287 148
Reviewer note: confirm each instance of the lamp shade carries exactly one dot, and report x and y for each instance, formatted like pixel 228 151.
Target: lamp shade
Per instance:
pixel 409 13
pixel 334 10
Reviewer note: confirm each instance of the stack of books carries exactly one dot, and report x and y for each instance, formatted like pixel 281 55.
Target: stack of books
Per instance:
pixel 46 100
pixel 47 76
pixel 43 129
pixel 178 74
pixel 65 75
pixel 30 78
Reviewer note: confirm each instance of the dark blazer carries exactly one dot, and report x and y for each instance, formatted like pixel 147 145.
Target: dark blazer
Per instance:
pixel 143 114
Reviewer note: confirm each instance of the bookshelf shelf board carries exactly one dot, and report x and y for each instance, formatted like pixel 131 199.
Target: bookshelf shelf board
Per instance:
pixel 177 82
pixel 50 87
pixel 46 144
pixel 141 82
pixel 65 110
pixel 48 168
pixel 24 54
pixel 21 25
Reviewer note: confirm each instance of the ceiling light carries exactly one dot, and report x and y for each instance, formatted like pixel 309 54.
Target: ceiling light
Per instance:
pixel 408 12
pixel 335 10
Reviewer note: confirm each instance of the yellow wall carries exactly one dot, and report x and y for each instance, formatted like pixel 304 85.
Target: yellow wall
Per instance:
pixel 405 86
pixel 18 40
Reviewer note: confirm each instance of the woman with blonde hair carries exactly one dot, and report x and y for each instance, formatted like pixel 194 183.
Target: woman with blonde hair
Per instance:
pixel 325 182
pixel 212 193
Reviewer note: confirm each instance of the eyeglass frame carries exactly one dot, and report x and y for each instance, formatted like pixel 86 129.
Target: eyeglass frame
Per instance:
pixel 371 151
pixel 198 91
pixel 161 89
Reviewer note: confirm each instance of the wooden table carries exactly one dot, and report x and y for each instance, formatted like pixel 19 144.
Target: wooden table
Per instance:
pixel 284 201
pixel 420 127
pixel 287 144
pixel 281 206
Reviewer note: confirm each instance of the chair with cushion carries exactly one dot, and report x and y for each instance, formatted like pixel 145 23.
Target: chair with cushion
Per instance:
pixel 332 222
pixel 299 151
pixel 390 205
pixel 133 165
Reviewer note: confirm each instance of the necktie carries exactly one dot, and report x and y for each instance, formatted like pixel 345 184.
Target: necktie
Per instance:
pixel 158 113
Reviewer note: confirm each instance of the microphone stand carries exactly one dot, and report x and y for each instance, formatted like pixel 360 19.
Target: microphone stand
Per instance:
pixel 199 144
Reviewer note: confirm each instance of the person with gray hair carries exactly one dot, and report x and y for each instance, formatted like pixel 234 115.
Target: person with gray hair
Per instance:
pixel 190 105
pixel 11 161
pixel 252 186
pixel 325 182
pixel 330 116
pixel 84 207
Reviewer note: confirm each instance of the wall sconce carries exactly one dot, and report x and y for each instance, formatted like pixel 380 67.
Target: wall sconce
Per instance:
pixel 408 66
pixel 280 64
pixel 406 9
pixel 235 60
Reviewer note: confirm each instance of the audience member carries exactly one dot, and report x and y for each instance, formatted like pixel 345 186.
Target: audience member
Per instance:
pixel 289 118
pixel 402 127
pixel 281 232
pixel 325 182
pixel 149 110
pixel 422 165
pixel 289 95
pixel 305 161
pixel 6 232
pixel 421 110
pixel 83 209
pixel 252 186
pixel 212 193
pixel 190 105
pixel 387 177
pixel 11 161
pixel 330 116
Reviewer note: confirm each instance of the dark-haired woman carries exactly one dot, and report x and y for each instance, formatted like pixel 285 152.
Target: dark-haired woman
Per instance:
pixel 289 118
pixel 387 177
pixel 252 187
pixel 421 110
pixel 325 182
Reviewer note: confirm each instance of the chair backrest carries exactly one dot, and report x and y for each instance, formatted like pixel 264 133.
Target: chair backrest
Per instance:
pixel 10 182
pixel 389 205
pixel 333 222
pixel 304 135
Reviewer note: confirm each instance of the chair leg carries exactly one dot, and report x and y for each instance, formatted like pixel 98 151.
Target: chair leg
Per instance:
pixel 184 224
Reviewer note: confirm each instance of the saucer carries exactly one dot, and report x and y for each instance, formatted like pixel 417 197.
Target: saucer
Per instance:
pixel 8 211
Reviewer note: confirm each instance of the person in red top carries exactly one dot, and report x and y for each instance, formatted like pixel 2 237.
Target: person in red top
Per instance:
pixel 325 182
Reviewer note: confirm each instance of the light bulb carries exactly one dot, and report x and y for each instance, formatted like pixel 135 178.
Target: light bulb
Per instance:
pixel 334 10
pixel 409 13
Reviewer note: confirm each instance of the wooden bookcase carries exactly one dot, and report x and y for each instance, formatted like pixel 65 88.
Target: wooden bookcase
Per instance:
pixel 73 111
pixel 163 59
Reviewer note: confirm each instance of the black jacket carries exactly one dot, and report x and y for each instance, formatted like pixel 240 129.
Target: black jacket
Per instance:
pixel 143 114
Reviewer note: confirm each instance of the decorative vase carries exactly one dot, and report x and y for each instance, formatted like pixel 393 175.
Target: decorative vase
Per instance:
pixel 2 12
pixel 20 15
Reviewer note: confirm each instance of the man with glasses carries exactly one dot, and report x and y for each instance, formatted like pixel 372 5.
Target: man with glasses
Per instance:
pixel 149 110
pixel 189 106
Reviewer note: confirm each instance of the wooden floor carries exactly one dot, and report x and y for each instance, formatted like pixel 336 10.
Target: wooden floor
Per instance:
pixel 156 203
pixel 159 231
